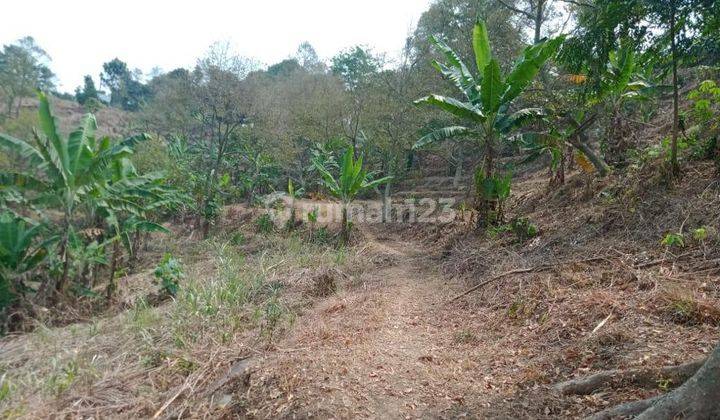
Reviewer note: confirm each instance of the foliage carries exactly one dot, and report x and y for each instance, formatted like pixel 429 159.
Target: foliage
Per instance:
pixel 674 240
pixel 264 224
pixel 523 229
pixel 126 91
pixel 169 273
pixel 21 251
pixel 354 66
pixel 23 68
pixel 352 180
pixel 705 114
pixel 91 182
pixel 487 99
pixel 89 94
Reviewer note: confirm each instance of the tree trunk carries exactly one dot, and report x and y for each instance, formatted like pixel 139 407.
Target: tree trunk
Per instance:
pixel 697 398
pixel 60 286
pixel 486 204
pixel 674 166
pixel 539 19
pixel 111 287
pixel 345 228
pixel 458 173
pixel 387 204
pixel 578 141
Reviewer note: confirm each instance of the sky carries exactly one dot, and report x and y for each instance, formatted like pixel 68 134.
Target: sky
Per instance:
pixel 80 35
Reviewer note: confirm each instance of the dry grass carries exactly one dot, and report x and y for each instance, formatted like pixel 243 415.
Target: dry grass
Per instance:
pixel 232 304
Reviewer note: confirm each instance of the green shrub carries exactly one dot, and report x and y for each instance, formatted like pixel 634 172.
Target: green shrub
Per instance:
pixel 237 239
pixel 673 240
pixel 264 224
pixel 523 229
pixel 322 236
pixel 169 273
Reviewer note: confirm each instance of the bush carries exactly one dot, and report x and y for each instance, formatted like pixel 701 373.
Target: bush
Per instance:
pixel 237 239
pixel 169 273
pixel 523 229
pixel 264 224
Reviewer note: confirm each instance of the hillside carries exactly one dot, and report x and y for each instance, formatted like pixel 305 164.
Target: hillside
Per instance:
pixel 380 335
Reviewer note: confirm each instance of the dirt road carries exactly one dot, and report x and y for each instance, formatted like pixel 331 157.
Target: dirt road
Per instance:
pixel 385 347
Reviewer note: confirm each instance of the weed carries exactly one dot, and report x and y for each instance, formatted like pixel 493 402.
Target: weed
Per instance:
pixel 63 378
pixel 238 239
pixel 322 236
pixel 264 224
pixel 464 337
pixel 664 384
pixel 523 229
pixel 169 273
pixel 5 387
pixel 495 231
pixel 700 234
pixel 673 240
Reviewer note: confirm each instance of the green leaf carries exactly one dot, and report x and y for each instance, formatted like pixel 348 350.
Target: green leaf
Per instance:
pixel 512 122
pixel 465 85
pixel 525 70
pixel 441 134
pixel 453 106
pixel 492 87
pixel 78 141
pixel 376 182
pixel 481 46
pixel 23 148
pixel 454 61
pixel 59 151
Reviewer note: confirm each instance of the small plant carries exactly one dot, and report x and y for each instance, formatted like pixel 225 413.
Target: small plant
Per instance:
pixel 313 217
pixel 321 236
pixel 495 231
pixel 5 388
pixel 464 337
pixel 664 384
pixel 495 190
pixel 700 234
pixel 169 273
pixel 238 239
pixel 264 224
pixel 352 180
pixel 272 315
pixel 523 229
pixel 674 240
pixel 294 194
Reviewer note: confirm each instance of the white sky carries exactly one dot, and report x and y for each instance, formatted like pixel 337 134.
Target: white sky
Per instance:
pixel 80 35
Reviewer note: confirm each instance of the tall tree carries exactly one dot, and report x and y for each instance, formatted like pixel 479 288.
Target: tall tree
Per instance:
pixel 87 92
pixel 355 67
pixel 23 69
pixel 126 90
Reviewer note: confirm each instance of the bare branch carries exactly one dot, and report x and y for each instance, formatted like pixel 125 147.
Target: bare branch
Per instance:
pixel 516 10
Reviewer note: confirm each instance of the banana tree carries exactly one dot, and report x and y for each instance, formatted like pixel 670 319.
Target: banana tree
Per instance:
pixel 619 84
pixel 487 99
pixel 293 195
pixel 353 180
pixel 66 173
pixel 21 250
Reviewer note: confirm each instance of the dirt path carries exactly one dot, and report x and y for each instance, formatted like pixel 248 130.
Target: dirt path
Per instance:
pixel 383 348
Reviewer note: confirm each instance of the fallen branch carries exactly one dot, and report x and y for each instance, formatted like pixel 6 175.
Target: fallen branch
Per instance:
pixel 646 377
pixel 664 260
pixel 499 276
pixel 542 267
